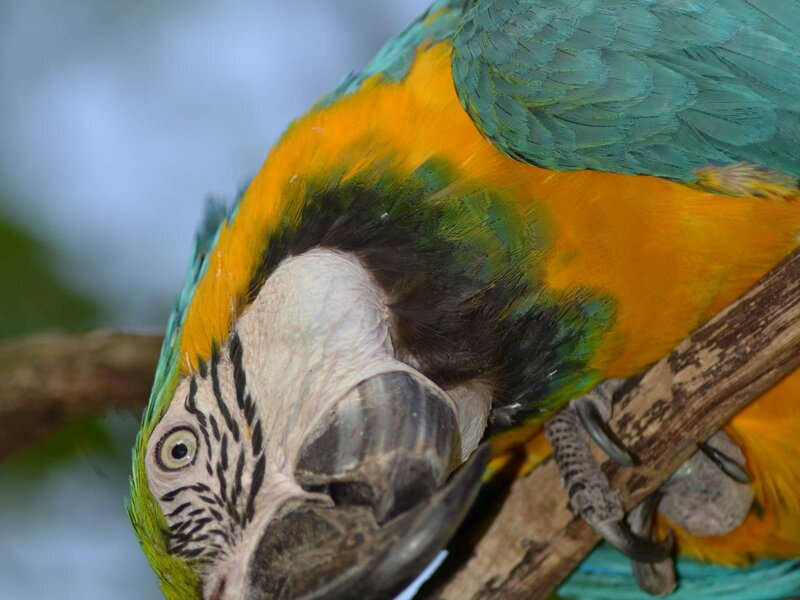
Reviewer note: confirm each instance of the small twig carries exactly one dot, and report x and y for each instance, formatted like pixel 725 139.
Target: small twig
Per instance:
pixel 535 542
pixel 49 379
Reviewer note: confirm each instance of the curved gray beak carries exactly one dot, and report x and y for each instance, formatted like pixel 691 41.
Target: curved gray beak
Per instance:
pixel 383 457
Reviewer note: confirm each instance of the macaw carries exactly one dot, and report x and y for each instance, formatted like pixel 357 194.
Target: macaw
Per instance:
pixel 512 204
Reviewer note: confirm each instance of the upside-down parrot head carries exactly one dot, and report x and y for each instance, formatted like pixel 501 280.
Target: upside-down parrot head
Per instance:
pixel 485 219
pixel 303 458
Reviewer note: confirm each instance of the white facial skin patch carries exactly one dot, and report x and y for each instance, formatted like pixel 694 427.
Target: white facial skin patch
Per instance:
pixel 319 327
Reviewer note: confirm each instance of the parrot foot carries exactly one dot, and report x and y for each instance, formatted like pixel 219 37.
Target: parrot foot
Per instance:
pixel 594 410
pixel 702 497
pixel 707 495
pixel 655 578
pixel 590 494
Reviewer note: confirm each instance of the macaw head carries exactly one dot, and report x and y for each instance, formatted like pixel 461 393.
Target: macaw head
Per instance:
pixel 305 456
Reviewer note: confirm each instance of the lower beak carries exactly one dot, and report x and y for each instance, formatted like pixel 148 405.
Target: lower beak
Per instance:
pixel 392 507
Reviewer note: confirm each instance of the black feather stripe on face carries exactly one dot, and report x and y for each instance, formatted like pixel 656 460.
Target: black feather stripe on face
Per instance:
pixel 207 520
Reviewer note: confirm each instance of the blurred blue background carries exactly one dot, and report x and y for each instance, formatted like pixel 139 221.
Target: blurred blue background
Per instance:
pixel 117 119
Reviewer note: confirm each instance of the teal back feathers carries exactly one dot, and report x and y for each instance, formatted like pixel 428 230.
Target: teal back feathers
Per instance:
pixel 394 59
pixel 625 86
pixel 606 575
pixel 621 86
pixel 634 86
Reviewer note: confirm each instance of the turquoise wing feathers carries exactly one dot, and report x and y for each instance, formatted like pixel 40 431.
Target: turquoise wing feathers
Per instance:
pixel 393 60
pixel 606 575
pixel 660 87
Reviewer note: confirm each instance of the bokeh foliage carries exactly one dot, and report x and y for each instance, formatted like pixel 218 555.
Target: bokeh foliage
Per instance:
pixel 35 298
pixel 32 296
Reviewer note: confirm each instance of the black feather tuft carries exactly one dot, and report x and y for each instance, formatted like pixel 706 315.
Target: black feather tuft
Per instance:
pixel 460 315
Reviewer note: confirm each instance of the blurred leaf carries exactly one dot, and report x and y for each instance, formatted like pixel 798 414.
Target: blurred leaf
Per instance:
pixel 85 437
pixel 32 296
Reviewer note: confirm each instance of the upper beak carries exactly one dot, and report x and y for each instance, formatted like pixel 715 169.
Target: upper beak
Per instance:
pixel 383 456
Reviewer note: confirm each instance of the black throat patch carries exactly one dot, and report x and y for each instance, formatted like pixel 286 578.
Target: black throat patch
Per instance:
pixel 460 265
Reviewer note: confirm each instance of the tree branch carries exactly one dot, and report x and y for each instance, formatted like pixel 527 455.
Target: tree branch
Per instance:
pixel 535 541
pixel 49 379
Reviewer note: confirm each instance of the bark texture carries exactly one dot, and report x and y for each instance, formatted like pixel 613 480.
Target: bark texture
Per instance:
pixel 49 379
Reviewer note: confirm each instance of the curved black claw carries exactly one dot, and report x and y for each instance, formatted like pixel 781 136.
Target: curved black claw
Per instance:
pixel 726 464
pixel 619 535
pixel 601 433
pixel 656 578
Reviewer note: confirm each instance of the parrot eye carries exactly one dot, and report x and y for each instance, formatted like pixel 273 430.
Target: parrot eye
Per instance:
pixel 177 449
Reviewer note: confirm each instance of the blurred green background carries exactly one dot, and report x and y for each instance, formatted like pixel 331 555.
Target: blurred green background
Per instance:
pixel 117 119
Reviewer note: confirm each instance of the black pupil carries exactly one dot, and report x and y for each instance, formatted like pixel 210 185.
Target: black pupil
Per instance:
pixel 179 451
